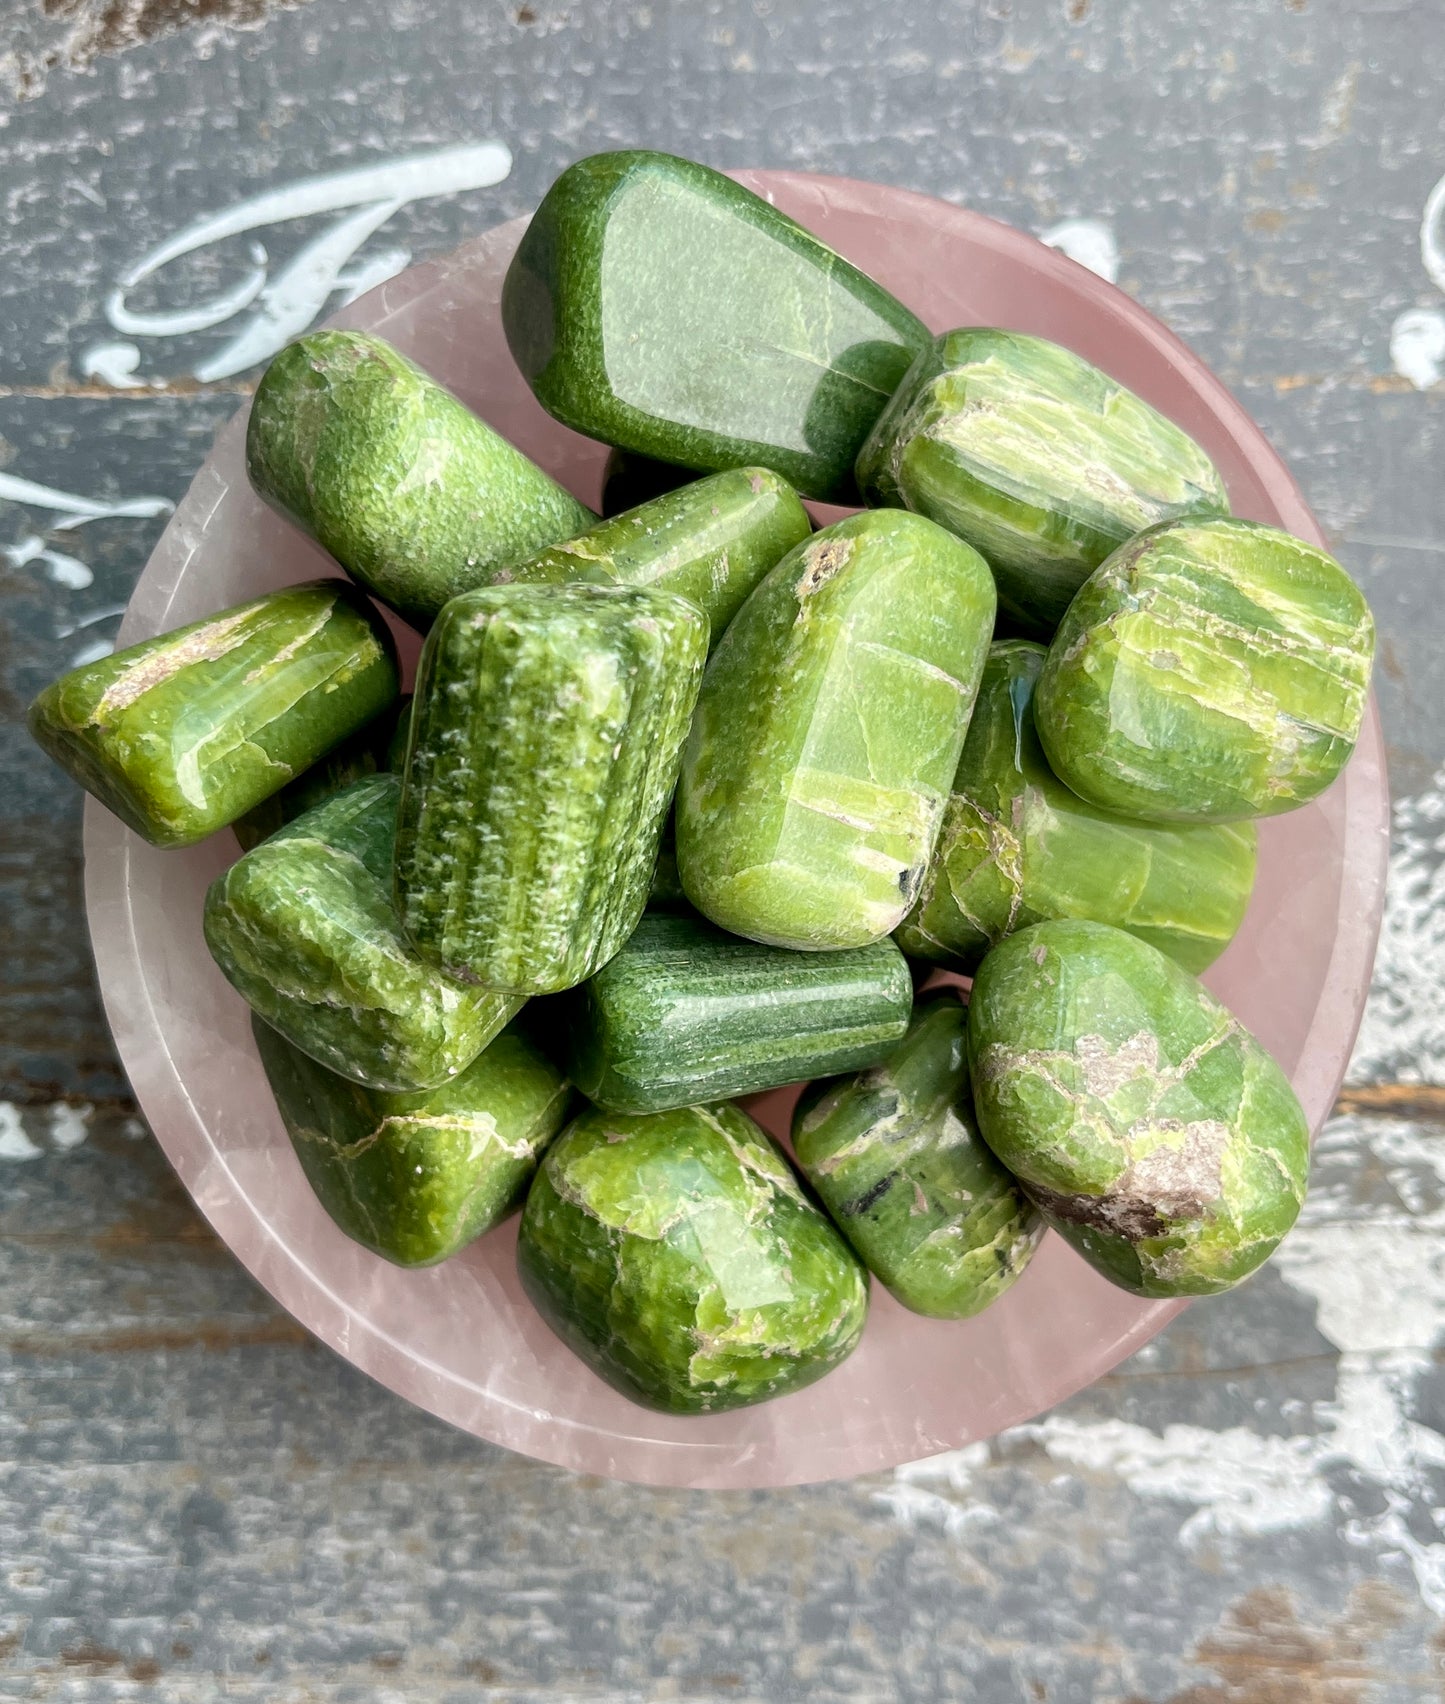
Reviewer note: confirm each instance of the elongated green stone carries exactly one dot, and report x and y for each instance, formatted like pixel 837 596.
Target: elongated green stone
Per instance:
pixel 416 1177
pixel 1017 847
pixel 685 1013
pixel 546 736
pixel 828 730
pixel 678 1256
pixel 1209 671
pixel 305 929
pixel 1154 1132
pixel 354 759
pixel 710 542
pixel 896 1157
pixel 410 491
pixel 659 306
pixel 1037 458
pixel 182 734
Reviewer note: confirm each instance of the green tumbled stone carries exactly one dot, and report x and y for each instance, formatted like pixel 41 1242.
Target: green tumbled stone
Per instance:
pixel 659 306
pixel 1151 1128
pixel 629 479
pixel 678 1256
pixel 305 929
pixel 1209 671
pixel 354 759
pixel 710 542
pixel 1037 458
pixel 416 1177
pixel 685 1013
pixel 896 1157
pixel 828 730
pixel 182 734
pixel 409 491
pixel 1017 847
pixel 546 736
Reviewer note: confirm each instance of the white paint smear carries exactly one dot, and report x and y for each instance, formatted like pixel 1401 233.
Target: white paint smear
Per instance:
pixel 1432 236
pixel 1417 346
pixel 75 511
pixel 1090 242
pixel 114 364
pixel 14 1143
pixel 69 1125
pixel 67 571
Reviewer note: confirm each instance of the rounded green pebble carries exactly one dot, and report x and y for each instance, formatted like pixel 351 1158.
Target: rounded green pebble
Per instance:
pixel 415 1177
pixel 411 492
pixel 1151 1128
pixel 1017 847
pixel 677 1254
pixel 1207 672
pixel 1037 458
pixel 827 733
pixel 896 1157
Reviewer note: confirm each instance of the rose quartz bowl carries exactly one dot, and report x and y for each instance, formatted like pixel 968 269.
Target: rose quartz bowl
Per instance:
pixel 461 1340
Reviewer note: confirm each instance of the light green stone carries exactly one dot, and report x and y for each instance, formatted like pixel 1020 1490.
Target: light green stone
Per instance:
pixel 416 1177
pixel 546 736
pixel 182 734
pixel 710 542
pixel 828 730
pixel 410 491
pixel 1209 671
pixel 686 1013
pixel 1151 1128
pixel 305 929
pixel 677 1254
pixel 896 1158
pixel 1017 847
pixel 1036 457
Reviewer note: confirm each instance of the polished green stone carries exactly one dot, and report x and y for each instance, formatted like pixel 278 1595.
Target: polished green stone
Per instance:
pixel 305 929
pixel 546 736
pixel 685 1013
pixel 895 1156
pixel 711 541
pixel 1036 457
pixel 827 732
pixel 410 491
pixel 659 306
pixel 1151 1128
pixel 1209 671
pixel 1017 847
pixel 629 479
pixel 354 759
pixel 678 1256
pixel 182 734
pixel 415 1177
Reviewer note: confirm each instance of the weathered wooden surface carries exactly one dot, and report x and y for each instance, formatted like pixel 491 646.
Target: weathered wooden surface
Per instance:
pixel 194 1500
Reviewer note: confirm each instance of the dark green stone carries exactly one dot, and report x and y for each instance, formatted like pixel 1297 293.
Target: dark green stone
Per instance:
pixel 710 542
pixel 416 1177
pixel 678 1256
pixel 1036 457
pixel 305 929
pixel 685 1013
pixel 354 759
pixel 1208 672
pixel 1017 847
pixel 659 306
pixel 1151 1128
pixel 629 479
pixel 410 491
pixel 182 734
pixel 828 730
pixel 896 1157
pixel 546 736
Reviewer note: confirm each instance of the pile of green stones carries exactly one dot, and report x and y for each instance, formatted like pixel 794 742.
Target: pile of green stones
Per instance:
pixel 682 792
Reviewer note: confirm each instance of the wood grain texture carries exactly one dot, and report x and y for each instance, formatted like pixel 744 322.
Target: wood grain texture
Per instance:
pixel 194 1500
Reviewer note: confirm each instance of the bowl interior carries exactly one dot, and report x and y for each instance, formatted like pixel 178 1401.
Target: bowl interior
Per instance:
pixel 460 1339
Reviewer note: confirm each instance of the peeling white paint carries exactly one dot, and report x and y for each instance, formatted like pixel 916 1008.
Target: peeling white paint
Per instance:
pixel 15 1144
pixel 1088 241
pixel 288 302
pixel 67 571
